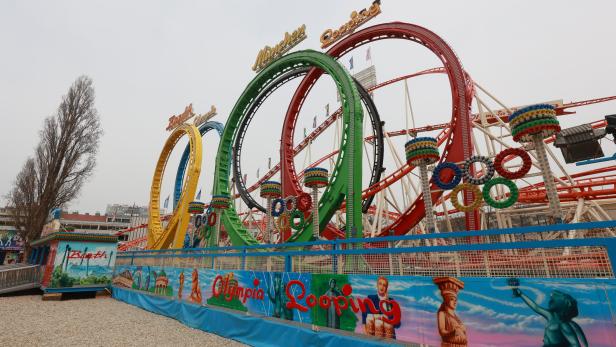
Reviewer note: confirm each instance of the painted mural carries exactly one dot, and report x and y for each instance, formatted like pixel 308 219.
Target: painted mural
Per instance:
pixel 82 264
pixel 439 311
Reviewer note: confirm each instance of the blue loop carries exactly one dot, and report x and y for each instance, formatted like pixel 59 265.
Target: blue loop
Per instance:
pixel 457 175
pixel 277 203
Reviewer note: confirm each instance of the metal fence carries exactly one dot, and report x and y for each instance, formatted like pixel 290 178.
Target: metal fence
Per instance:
pixel 19 277
pixel 582 250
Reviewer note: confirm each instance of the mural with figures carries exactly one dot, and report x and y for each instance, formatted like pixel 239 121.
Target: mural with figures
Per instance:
pixel 435 311
pixel 79 264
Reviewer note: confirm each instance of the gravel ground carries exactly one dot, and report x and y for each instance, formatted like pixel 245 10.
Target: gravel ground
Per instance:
pixel 29 321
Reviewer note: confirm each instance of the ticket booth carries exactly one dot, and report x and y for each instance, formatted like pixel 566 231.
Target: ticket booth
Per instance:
pixel 75 262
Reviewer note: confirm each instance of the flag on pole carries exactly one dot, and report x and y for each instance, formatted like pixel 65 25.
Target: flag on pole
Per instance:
pixel 314 122
pixel 327 110
pixel 351 63
pixel 257 173
pixel 269 163
pixel 368 57
pixel 166 202
pixel 198 195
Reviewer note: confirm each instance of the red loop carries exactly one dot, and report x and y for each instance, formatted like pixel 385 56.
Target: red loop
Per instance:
pixel 304 202
pixel 211 219
pixel 521 172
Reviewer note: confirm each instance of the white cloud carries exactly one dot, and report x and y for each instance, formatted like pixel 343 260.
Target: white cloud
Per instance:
pixel 492 299
pixel 426 300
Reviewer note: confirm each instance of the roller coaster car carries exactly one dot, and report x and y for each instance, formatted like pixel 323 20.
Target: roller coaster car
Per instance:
pixel 580 143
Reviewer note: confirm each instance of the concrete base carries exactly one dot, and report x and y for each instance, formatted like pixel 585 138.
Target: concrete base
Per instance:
pixel 103 294
pixel 52 296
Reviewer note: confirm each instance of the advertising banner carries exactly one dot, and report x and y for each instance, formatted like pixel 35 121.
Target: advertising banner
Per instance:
pixel 10 241
pixel 439 311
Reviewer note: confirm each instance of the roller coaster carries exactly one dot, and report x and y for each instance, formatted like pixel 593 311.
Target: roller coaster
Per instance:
pixel 394 201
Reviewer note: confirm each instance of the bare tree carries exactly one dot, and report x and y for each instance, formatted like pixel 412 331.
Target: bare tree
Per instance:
pixel 64 159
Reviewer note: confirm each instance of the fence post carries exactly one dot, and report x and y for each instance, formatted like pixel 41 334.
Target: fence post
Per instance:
pixel 610 246
pixel 43 255
pixel 33 256
pixel 335 258
pixel 288 266
pixel 244 258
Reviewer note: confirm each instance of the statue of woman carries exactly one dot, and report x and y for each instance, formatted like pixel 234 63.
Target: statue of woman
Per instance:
pixel 561 330
pixel 450 326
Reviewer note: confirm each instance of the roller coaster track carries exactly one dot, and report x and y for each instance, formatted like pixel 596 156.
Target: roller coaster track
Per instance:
pixel 342 182
pixel 377 133
pixel 458 142
pixel 172 235
pixel 331 119
pixel 593 189
pixel 179 176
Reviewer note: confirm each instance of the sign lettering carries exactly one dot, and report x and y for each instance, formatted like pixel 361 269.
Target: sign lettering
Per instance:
pixel 205 117
pixel 330 36
pixel 74 254
pixel 176 121
pixel 269 54
pixel 390 308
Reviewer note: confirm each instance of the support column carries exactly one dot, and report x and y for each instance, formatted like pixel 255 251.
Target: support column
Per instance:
pixel 548 179
pixel 425 187
pixel 534 124
pixel 315 178
pixel 270 190
pixel 219 204
pixel 421 152
pixel 268 228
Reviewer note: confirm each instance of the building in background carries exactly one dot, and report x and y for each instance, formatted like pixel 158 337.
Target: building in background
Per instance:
pixel 116 217
pixel 123 213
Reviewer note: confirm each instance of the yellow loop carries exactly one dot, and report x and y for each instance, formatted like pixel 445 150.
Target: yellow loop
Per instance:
pixel 283 222
pixel 472 206
pixel 172 236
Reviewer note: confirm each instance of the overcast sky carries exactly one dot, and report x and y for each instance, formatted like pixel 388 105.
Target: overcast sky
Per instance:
pixel 149 59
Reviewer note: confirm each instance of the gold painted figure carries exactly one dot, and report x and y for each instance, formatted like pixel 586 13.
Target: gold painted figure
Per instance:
pixel 450 326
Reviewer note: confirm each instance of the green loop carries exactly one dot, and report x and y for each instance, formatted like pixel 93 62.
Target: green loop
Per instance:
pixel 302 222
pixel 513 193
pixel 206 231
pixel 349 161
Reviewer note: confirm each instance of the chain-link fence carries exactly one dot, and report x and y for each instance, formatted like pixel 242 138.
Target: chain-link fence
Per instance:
pixel 584 250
